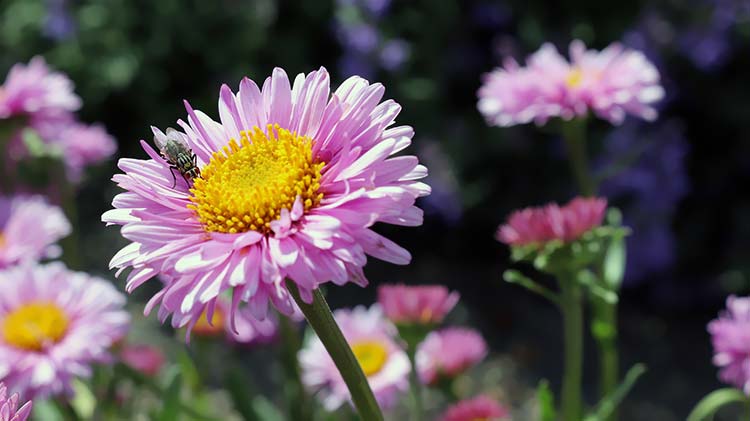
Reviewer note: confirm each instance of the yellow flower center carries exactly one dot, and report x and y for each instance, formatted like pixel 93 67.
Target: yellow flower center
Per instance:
pixel 574 78
pixel 35 326
pixel 246 185
pixel 203 328
pixel 2 239
pixel 371 356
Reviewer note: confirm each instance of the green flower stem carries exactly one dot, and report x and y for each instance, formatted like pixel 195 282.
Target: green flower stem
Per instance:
pixel 318 314
pixel 574 133
pixel 572 313
pixel 415 385
pixel 297 399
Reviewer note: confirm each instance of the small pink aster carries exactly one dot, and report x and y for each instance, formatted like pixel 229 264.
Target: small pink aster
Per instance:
pixel 371 337
pixel 34 89
pixel 730 335
pixel 9 410
pixel 611 83
pixel 288 185
pixel 448 353
pixel 54 324
pixel 29 229
pixel 422 304
pixel 146 359
pixel 481 408
pixel 543 224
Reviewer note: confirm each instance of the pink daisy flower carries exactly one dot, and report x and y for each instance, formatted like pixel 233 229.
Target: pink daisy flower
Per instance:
pixel 730 335
pixel 146 359
pixel 54 324
pixel 29 229
pixel 34 89
pixel 371 338
pixel 286 186
pixel 611 83
pixel 481 408
pixel 448 353
pixel 552 222
pixel 9 410
pixel 423 304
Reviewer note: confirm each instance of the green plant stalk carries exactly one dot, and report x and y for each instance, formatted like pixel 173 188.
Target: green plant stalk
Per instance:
pixel 571 307
pixel 297 399
pixel 318 314
pixel 574 134
pixel 747 409
pixel 415 385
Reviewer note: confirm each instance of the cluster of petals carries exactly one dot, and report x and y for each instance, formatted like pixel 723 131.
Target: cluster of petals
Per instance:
pixel 480 408
pixel 29 229
pixel 730 335
pixel 611 83
pixel 80 145
pixel 33 89
pixel 363 183
pixel 95 320
pixel 539 225
pixel 422 304
pixel 9 410
pixel 448 352
pixel 359 325
pixel 243 329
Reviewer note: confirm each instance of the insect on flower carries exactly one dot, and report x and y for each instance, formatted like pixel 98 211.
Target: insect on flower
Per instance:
pixel 178 155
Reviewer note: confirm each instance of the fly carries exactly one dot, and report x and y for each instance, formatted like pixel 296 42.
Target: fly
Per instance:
pixel 178 155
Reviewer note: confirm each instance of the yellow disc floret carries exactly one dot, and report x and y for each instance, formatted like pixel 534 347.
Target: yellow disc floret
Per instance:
pixel 34 326
pixel 371 356
pixel 246 185
pixel 574 78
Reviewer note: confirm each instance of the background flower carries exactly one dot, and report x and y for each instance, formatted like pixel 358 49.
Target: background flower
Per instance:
pixel 35 90
pixel 730 335
pixel 479 408
pixel 9 410
pixel 420 304
pixel 54 325
pixel 29 229
pixel 449 352
pixel 371 337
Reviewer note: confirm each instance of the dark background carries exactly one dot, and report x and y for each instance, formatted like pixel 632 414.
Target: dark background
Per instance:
pixel 134 61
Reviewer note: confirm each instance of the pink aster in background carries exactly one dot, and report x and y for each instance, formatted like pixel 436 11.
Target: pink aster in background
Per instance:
pixel 80 145
pixel 146 359
pixel 552 222
pixel 29 229
pixel 9 410
pixel 371 338
pixel 481 408
pixel 292 179
pixel 449 352
pixel 422 304
pixel 730 335
pixel 611 83
pixel 34 89
pixel 54 324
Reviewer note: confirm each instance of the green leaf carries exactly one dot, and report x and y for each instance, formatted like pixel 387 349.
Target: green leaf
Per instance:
pixel 708 406
pixel 546 401
pixel 241 393
pixel 609 403
pixel 616 255
pixel 46 410
pixel 84 401
pixel 171 398
pixel 513 276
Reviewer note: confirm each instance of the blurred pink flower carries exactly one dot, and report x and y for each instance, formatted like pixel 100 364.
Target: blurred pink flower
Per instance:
pixel 80 145
pixel 34 89
pixel 552 222
pixel 292 181
pixel 420 304
pixel 143 358
pixel 449 352
pixel 54 324
pixel 371 337
pixel 611 83
pixel 29 229
pixel 481 408
pixel 730 335
pixel 9 410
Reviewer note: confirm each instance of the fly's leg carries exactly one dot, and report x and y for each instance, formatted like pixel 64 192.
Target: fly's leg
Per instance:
pixel 174 179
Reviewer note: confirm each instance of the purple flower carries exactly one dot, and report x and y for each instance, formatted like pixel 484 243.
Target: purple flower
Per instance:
pixel 448 353
pixel 394 53
pixel 730 336
pixel 34 89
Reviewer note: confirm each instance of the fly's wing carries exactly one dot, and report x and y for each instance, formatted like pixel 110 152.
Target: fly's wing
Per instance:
pixel 171 144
